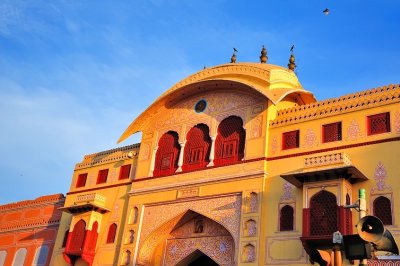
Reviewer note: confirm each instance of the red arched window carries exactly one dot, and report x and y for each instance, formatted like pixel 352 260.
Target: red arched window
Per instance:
pixel 112 230
pixel 286 218
pixel 324 213
pixel 229 145
pixel 383 210
pixel 197 148
pixel 78 237
pixel 167 154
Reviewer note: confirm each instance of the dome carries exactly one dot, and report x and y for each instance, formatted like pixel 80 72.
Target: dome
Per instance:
pixel 270 81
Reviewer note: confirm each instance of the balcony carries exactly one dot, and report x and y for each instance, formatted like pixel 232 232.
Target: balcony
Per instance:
pixel 87 202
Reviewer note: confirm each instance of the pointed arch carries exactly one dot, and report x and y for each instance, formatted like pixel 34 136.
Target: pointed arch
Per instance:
pixel 112 231
pixel 77 237
pixel 230 141
pixel 166 161
pixel 197 257
pixel 197 148
pixel 182 229
pixel 324 213
pixel 286 218
pixel 383 209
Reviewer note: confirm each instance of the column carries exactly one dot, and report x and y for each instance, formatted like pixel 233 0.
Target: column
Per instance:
pixel 180 160
pixel 212 151
pixel 153 161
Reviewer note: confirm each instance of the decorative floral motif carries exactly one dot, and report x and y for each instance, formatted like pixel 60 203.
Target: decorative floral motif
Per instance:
pixel 287 192
pixel 256 128
pixel 353 131
pixel 310 138
pixel 253 202
pixel 380 176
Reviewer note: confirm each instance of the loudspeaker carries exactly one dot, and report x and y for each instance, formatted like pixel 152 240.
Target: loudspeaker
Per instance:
pixel 371 229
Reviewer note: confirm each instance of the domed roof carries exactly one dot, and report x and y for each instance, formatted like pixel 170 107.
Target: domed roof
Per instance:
pixel 273 82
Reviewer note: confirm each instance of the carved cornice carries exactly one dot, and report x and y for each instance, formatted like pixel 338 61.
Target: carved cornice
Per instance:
pixel 31 223
pixel 345 104
pixel 48 199
pixel 108 156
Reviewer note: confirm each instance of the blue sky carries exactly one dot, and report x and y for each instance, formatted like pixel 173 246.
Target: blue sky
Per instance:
pixel 74 74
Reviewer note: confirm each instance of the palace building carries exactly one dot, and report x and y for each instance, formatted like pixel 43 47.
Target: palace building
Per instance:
pixel 28 230
pixel 238 165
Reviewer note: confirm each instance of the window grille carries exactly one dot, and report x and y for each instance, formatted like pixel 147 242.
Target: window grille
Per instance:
pixel 379 123
pixel 166 161
pixel 290 140
pixel 323 214
pixel 332 132
pixel 383 209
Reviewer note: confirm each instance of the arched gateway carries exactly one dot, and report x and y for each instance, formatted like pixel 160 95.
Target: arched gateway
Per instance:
pixel 189 239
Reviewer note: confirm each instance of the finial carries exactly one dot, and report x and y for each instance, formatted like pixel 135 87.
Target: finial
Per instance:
pixel 291 64
pixel 263 57
pixel 233 58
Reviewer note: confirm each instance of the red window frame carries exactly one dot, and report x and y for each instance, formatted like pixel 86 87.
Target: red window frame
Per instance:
pixel 112 231
pixel 124 171
pixel 196 155
pixel 290 140
pixel 379 123
pixel 229 148
pixel 102 176
pixel 81 181
pixel 332 132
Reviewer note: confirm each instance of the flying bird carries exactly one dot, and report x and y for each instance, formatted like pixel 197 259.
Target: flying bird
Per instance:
pixel 326 11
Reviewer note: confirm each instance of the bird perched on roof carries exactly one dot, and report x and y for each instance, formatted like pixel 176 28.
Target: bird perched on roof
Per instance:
pixel 326 11
pixel 234 49
pixel 292 48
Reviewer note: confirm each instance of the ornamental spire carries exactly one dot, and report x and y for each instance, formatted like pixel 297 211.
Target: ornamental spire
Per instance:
pixel 292 64
pixel 263 57
pixel 233 58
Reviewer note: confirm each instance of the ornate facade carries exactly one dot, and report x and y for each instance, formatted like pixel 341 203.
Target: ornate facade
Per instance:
pixel 238 165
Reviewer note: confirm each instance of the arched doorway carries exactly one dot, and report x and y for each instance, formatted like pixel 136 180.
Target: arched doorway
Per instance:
pixel 197 258
pixel 189 239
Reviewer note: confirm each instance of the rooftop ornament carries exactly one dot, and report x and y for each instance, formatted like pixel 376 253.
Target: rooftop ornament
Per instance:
pixel 263 57
pixel 292 64
pixel 233 58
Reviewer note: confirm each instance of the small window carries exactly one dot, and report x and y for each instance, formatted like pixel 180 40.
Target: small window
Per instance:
pixel 383 209
pixel 332 132
pixel 286 218
pixel 81 182
pixel 166 161
pixel 290 140
pixel 125 171
pixel 378 124
pixel 229 149
pixel 102 177
pixel 112 230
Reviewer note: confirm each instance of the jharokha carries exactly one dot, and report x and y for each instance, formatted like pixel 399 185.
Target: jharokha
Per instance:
pixel 238 165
